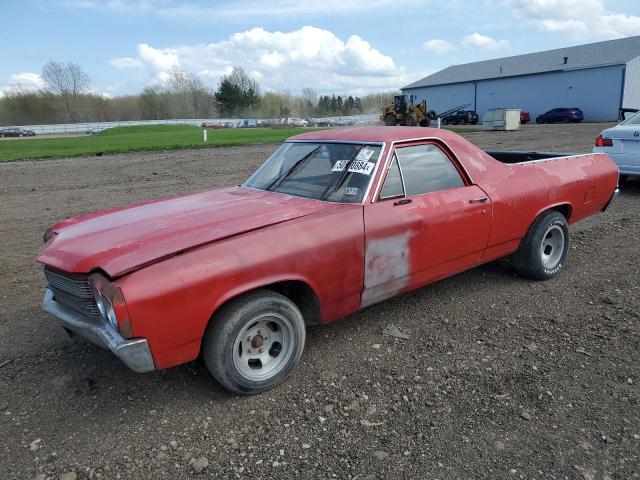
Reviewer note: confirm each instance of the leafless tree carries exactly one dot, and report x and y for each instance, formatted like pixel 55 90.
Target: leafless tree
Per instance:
pixel 67 80
pixel 194 97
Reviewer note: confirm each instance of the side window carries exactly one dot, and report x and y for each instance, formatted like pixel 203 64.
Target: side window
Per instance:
pixel 425 168
pixel 393 183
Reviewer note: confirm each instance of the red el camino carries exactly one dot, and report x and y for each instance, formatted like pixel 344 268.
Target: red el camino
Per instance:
pixel 334 220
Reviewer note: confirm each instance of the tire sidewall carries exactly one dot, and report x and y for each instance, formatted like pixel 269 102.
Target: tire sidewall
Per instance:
pixel 538 233
pixel 219 341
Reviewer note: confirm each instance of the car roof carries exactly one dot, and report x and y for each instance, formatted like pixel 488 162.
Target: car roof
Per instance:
pixel 375 134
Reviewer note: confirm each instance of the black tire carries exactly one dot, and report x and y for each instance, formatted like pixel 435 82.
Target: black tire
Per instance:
pixel 535 260
pixel 463 121
pixel 390 120
pixel 444 121
pixel 425 122
pixel 220 343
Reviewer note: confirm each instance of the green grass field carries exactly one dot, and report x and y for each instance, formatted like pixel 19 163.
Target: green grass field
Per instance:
pixel 144 138
pixel 139 138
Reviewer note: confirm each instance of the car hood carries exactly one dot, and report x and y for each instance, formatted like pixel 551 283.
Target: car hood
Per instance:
pixel 124 239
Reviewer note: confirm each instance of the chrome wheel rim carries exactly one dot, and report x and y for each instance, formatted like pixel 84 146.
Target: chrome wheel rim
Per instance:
pixel 263 347
pixel 552 247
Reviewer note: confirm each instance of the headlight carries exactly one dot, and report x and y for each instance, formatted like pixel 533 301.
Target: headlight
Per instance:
pixel 111 304
pixel 109 312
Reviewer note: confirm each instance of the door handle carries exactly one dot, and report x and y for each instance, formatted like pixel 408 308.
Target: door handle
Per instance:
pixel 404 201
pixel 479 200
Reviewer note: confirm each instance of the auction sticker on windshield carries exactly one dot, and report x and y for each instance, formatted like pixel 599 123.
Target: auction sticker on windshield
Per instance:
pixel 364 168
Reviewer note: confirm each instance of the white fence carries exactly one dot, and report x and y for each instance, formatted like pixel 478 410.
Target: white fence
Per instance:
pixel 83 127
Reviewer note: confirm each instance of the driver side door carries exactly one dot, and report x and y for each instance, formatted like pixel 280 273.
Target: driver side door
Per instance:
pixel 428 222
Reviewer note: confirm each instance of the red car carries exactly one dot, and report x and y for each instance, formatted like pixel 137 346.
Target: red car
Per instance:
pixel 525 117
pixel 334 221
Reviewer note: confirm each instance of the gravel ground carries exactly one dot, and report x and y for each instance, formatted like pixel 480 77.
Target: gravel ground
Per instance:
pixel 501 377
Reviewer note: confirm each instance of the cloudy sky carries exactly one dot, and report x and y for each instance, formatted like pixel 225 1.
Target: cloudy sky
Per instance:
pixel 342 46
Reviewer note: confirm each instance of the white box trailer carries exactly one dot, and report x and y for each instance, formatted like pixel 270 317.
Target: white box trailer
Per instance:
pixel 501 119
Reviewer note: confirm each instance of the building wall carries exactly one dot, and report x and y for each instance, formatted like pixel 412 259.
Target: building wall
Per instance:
pixel 597 91
pixel 632 84
pixel 445 97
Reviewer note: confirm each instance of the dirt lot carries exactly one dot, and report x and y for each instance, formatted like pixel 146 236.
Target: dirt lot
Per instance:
pixel 502 377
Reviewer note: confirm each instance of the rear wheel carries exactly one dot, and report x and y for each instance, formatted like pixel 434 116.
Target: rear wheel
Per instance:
pixel 254 342
pixel 390 120
pixel 543 250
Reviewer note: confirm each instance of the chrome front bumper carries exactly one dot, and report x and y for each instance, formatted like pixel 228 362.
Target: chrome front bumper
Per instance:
pixel 134 353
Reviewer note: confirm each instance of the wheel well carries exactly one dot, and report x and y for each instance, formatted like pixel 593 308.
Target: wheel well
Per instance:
pixel 298 292
pixel 302 295
pixel 565 209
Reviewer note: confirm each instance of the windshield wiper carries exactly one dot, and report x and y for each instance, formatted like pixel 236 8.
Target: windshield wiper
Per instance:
pixel 343 176
pixel 293 168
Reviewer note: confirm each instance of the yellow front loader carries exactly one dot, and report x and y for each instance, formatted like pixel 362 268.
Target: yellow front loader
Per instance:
pixel 405 112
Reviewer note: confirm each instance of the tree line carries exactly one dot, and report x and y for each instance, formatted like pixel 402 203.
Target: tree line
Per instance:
pixel 67 98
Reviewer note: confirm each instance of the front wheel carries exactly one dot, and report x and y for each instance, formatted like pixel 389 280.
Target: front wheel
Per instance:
pixel 543 250
pixel 390 120
pixel 254 342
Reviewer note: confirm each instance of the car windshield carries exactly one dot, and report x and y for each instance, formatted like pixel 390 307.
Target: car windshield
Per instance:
pixel 635 120
pixel 336 172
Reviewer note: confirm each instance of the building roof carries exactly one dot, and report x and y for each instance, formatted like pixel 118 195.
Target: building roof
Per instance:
pixel 611 52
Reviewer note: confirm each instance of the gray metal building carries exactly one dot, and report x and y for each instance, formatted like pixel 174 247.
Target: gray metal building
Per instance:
pixel 599 78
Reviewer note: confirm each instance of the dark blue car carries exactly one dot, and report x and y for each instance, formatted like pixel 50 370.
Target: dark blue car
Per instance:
pixel 561 115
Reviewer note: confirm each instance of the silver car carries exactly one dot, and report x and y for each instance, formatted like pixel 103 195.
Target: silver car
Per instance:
pixel 622 144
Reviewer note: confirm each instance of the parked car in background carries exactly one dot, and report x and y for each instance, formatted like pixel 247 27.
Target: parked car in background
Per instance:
pixel 96 130
pixel 525 117
pixel 561 115
pixel 250 123
pixel 461 117
pixel 334 221
pixel 296 122
pixel 213 125
pixel 622 144
pixel 16 132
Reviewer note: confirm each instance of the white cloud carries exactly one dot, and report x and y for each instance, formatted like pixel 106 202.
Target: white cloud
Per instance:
pixel 482 41
pixel 309 56
pixel 22 81
pixel 438 46
pixel 27 80
pixel 581 19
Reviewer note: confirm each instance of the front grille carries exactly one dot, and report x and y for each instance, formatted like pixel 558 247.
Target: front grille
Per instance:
pixel 72 291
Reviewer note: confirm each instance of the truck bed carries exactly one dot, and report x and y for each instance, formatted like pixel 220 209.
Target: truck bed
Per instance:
pixel 511 157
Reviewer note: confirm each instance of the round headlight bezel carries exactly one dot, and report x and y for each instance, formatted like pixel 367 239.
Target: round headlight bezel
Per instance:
pixel 103 302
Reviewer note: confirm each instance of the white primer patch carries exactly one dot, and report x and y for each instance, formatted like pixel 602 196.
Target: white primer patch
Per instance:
pixel 387 267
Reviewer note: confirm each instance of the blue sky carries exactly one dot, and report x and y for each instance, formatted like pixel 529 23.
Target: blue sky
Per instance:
pixel 339 46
